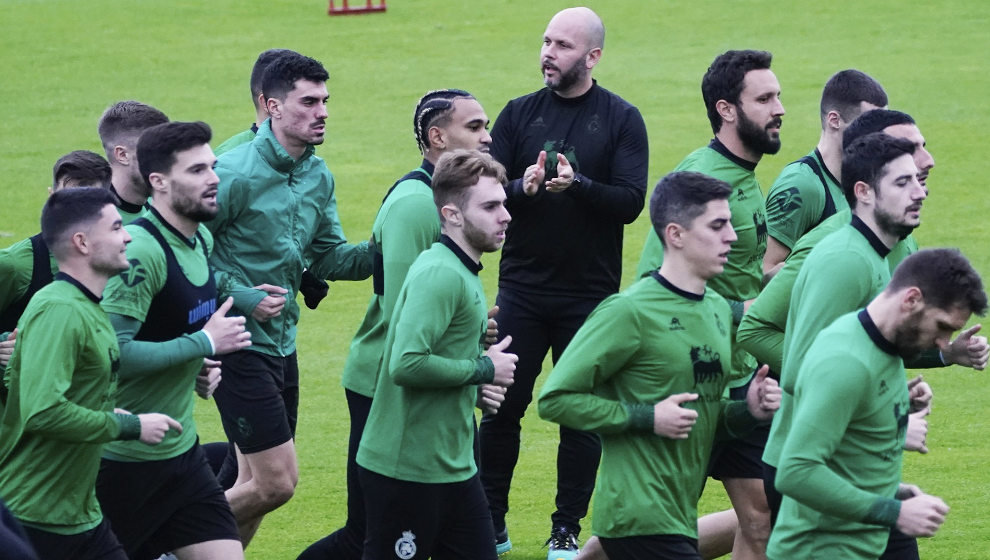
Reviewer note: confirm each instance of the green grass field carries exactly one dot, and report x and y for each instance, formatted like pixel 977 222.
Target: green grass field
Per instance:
pixel 66 61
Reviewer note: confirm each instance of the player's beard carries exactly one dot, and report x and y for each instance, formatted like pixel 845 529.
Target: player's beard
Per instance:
pixel 477 238
pixel 755 137
pixel 907 339
pixel 194 209
pixel 890 224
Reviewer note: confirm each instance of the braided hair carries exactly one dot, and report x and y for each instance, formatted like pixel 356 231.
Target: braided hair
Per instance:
pixel 432 110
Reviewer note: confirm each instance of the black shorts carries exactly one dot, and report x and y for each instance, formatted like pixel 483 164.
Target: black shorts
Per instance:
pixel 99 543
pixel 739 457
pixel 156 507
pixel 415 520
pixel 258 399
pixel 657 547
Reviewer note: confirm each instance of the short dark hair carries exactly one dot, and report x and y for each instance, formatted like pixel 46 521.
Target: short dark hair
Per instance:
pixel 681 196
pixel 874 121
pixel 158 145
pixel 459 170
pixel 434 109
pixel 725 79
pixel 264 59
pixel 846 90
pixel 87 168
pixel 866 159
pixel 68 210
pixel 945 277
pixel 280 77
pixel 124 122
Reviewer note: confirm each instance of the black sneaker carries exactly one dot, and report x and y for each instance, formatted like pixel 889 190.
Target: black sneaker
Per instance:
pixel 563 544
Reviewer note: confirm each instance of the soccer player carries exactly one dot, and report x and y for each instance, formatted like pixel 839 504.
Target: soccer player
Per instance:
pixel 742 96
pixel 406 225
pixel 28 265
pixel 260 107
pixel 577 158
pixel 807 191
pixel 164 311
pixel 647 372
pixel 899 125
pixel 62 379
pixel 840 463
pixel 81 168
pixel 422 492
pixel 278 213
pixel 119 128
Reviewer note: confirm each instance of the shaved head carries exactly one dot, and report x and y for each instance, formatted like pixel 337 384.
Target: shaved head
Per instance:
pixel 593 28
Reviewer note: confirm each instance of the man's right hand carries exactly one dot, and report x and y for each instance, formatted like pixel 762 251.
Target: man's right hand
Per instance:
pixel 921 515
pixel 917 431
pixel 534 174
pixel 505 363
pixel 672 421
pixel 273 303
pixel 154 426
pixel 7 349
pixel 227 333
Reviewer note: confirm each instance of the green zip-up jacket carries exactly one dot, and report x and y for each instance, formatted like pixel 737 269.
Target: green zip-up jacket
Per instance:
pixel 278 216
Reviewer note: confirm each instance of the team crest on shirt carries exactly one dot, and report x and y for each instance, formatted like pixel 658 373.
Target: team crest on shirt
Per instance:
pixel 135 274
pixel 594 125
pixel 741 194
pixel 405 547
pixel 707 364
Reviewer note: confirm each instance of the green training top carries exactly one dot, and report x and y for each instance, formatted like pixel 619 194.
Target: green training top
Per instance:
pixel 156 376
pixel 798 199
pixel 16 267
pixel 236 140
pixel 840 465
pixel 842 273
pixel 421 424
pixel 761 331
pixel 61 377
pixel 743 275
pixel 637 348
pixel 406 225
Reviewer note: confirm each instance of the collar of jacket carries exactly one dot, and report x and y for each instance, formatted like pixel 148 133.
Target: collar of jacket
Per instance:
pixel 273 152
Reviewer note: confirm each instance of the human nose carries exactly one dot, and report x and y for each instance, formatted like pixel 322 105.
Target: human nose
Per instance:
pixel 731 236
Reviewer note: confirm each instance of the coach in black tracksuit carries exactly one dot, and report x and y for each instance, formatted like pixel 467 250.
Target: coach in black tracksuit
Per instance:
pixel 563 252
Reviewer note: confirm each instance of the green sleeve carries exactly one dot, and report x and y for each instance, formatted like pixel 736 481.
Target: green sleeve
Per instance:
pixel 838 287
pixel 823 408
pixel 761 331
pixel 735 420
pixel 246 298
pixel 140 357
pixel 590 360
pixel 410 227
pixel 652 256
pixel 416 358
pixel 47 364
pixel 794 204
pixel 16 267
pixel 330 255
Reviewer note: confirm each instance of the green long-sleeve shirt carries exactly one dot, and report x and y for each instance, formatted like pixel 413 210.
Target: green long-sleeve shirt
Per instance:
pixel 157 376
pixel 421 424
pixel 840 465
pixel 406 225
pixel 637 348
pixel 743 275
pixel 61 380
